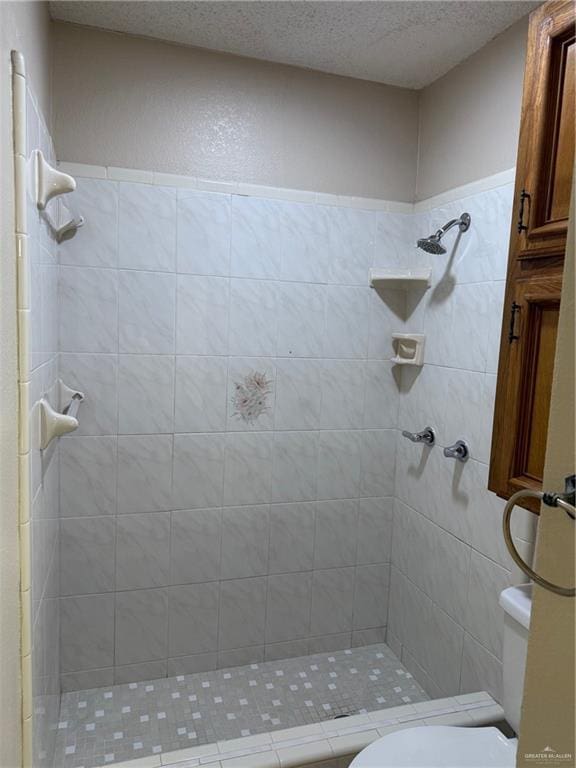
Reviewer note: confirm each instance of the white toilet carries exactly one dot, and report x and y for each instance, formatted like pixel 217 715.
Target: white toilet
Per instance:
pixel 455 747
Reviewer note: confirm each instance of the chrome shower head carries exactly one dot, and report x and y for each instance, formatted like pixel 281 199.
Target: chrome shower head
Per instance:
pixel 433 245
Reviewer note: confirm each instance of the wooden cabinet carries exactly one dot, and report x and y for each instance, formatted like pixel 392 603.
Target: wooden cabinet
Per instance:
pixel 546 146
pixel 537 250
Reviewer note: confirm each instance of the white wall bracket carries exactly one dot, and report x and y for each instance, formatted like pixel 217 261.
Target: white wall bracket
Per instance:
pixel 53 424
pixel 56 423
pixel 50 182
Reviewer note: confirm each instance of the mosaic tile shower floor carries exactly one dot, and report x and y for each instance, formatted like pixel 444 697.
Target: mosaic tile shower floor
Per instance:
pixel 102 726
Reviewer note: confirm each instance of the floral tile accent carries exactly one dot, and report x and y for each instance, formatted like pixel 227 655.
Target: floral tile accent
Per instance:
pixel 250 398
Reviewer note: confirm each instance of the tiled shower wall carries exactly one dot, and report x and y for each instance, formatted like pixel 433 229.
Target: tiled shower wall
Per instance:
pixel 39 477
pixel 449 561
pixel 193 538
pixel 228 496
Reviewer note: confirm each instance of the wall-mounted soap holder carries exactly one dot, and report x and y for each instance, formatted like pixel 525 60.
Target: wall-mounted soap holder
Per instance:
pixel 56 423
pixel 408 348
pixel 49 181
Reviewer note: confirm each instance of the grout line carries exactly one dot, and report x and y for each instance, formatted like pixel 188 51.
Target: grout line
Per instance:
pixel 116 449
pixel 219 613
pixel 468 580
pixel 268 357
pixel 355 584
pixel 314 544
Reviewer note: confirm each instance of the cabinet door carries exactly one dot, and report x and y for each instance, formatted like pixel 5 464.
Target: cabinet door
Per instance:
pixel 546 147
pixel 536 257
pixel 524 384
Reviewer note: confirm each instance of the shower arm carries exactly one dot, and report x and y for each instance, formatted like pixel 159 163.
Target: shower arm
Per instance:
pixel 463 223
pixel 452 223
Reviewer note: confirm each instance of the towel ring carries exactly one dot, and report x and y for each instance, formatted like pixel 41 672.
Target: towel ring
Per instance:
pixel 551 500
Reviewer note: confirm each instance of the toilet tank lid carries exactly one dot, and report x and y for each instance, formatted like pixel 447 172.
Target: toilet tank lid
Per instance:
pixel 517 602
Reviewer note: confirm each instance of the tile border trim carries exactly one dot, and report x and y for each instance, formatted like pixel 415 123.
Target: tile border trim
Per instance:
pixel 466 190
pixel 114 173
pixel 18 84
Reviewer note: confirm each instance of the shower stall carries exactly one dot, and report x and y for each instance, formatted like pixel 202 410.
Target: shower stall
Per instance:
pixel 236 538
pixel 227 500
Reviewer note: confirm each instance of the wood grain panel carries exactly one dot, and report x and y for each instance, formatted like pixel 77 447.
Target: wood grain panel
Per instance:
pixel 534 430
pixel 546 146
pixel 537 249
pixel 563 150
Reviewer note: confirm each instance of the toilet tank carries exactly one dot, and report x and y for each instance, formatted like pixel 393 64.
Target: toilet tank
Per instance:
pixel 517 604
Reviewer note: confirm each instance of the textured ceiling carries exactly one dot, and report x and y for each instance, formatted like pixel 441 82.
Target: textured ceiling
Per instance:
pixel 403 43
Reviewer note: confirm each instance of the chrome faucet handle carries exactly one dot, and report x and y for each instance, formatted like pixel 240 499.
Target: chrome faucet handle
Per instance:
pixel 458 451
pixel 427 436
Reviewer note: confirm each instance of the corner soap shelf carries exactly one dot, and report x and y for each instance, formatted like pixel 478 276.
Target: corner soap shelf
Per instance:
pixel 401 279
pixel 52 183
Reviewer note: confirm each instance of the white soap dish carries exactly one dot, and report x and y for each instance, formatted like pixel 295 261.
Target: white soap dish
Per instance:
pixel 55 423
pixel 50 182
pixel 408 348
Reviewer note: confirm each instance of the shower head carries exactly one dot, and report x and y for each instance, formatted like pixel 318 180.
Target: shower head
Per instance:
pixel 433 245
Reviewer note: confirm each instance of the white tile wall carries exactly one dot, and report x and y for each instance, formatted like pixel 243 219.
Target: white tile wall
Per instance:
pixel 203 239
pixel 278 533
pixel 449 562
pixel 275 534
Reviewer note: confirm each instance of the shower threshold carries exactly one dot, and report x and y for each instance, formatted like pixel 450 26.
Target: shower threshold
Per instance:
pixel 103 726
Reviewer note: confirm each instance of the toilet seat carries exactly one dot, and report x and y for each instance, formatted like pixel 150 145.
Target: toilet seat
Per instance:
pixel 440 747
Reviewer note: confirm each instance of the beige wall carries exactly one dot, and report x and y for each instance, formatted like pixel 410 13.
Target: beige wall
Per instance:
pixel 470 118
pixel 139 103
pixel 130 101
pixel 25 27
pixel 548 706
